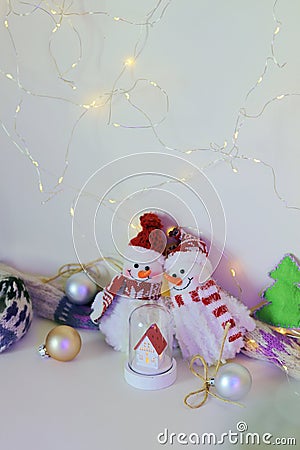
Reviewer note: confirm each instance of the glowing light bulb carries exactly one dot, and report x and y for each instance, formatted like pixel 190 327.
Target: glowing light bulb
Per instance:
pixel 232 271
pixel 252 344
pixel 170 229
pixel 129 61
pixel 72 211
pixel 277 30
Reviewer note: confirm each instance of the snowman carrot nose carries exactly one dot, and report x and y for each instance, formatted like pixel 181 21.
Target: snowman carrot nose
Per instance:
pixel 144 273
pixel 173 280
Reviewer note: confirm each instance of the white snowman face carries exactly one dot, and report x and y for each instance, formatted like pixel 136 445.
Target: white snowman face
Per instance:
pixel 187 272
pixel 143 266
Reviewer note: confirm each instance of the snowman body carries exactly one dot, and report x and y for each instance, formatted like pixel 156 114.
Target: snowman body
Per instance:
pixel 140 282
pixel 201 310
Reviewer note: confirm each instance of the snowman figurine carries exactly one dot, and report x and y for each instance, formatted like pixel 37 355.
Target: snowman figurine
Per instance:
pixel 200 309
pixel 140 281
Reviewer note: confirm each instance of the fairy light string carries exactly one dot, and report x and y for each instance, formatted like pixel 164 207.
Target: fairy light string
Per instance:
pixel 232 154
pixel 60 14
pixel 62 11
pixel 74 64
pixel 270 58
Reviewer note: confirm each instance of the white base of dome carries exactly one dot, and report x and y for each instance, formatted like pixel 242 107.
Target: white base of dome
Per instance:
pixel 150 382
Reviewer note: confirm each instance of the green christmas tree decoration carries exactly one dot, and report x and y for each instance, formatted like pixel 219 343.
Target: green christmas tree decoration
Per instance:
pixel 283 309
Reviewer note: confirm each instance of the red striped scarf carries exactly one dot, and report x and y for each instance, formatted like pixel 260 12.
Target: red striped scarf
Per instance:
pixel 131 288
pixel 208 294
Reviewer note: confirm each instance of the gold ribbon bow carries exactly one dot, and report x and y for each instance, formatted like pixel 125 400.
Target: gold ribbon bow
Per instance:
pixel 207 382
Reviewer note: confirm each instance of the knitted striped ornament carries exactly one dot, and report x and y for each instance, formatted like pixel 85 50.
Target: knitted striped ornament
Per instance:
pixel 268 345
pixel 15 310
pixel 49 301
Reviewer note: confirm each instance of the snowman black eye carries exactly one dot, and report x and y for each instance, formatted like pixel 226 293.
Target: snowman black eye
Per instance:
pixel 174 275
pixel 182 271
pixel 135 265
pixel 147 268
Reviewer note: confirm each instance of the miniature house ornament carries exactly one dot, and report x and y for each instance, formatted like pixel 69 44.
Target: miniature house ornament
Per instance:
pixel 150 364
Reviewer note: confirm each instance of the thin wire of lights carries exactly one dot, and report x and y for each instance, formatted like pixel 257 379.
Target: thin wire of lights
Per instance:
pixel 58 14
pixel 101 101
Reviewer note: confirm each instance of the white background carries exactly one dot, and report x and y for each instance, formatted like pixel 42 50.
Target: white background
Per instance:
pixel 206 56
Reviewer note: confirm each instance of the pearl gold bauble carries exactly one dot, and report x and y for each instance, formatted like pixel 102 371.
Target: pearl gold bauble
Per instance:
pixel 80 289
pixel 232 381
pixel 62 343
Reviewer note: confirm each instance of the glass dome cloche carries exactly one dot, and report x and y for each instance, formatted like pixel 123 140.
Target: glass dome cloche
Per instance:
pixel 150 363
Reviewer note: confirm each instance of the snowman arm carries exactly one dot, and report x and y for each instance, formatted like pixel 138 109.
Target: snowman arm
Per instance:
pixel 105 298
pixel 108 298
pixel 239 311
pixel 100 304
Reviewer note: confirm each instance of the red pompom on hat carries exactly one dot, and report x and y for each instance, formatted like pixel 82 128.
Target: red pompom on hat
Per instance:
pixel 149 223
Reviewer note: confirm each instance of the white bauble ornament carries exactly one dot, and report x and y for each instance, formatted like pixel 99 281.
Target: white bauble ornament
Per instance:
pixel 233 381
pixel 80 289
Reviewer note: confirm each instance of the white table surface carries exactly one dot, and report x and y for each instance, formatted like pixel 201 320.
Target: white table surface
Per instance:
pixel 86 403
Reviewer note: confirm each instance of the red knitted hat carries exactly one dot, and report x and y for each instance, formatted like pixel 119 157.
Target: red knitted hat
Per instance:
pixel 189 243
pixel 151 225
